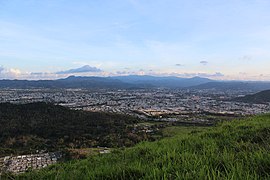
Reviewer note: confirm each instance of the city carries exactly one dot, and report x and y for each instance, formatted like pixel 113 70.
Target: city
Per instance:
pixel 149 104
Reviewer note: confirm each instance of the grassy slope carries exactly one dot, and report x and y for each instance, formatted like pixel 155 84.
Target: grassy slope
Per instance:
pixel 233 150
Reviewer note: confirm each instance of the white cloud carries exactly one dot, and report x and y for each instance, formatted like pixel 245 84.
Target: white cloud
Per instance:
pixel 15 72
pixel 11 73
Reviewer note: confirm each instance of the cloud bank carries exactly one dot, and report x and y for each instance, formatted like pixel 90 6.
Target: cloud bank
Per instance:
pixel 9 73
pixel 86 70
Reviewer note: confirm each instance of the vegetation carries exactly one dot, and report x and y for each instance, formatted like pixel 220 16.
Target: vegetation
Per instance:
pixel 41 126
pixel 261 97
pixel 239 149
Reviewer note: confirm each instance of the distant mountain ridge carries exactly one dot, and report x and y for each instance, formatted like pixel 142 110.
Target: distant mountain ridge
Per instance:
pixel 169 81
pixel 70 82
pixel 260 97
pixel 235 85
pixel 136 81
pixel 121 82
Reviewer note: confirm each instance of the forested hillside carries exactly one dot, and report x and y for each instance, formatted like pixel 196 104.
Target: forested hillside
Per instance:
pixel 260 97
pixel 40 126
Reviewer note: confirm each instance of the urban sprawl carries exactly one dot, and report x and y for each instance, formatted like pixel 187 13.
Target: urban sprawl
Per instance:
pixel 152 104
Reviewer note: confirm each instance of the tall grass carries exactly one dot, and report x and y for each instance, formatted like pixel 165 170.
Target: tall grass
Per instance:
pixel 239 149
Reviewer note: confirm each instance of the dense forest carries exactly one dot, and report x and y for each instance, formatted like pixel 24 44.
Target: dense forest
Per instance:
pixel 41 126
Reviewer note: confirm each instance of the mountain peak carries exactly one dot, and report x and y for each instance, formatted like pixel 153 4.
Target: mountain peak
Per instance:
pixel 83 69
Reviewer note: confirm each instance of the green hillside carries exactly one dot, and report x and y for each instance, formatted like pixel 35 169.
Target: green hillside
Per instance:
pixel 239 149
pixel 261 97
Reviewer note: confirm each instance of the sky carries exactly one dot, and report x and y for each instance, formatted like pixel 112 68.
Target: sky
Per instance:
pixel 218 39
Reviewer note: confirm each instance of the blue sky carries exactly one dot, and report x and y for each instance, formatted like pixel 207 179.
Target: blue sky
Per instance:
pixel 220 39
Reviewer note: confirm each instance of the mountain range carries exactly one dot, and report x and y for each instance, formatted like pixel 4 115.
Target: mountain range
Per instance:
pixel 255 86
pixel 167 82
pixel 135 81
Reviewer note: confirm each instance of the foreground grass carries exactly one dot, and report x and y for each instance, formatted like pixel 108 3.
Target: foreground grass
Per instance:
pixel 238 149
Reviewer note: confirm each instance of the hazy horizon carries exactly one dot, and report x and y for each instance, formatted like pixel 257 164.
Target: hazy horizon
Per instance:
pixel 221 40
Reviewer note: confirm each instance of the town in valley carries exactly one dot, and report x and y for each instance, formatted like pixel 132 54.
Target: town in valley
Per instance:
pixel 159 104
